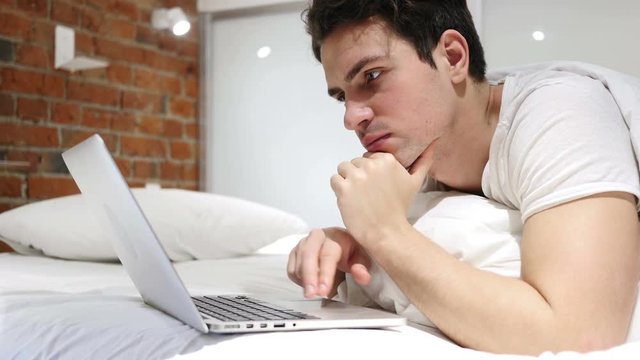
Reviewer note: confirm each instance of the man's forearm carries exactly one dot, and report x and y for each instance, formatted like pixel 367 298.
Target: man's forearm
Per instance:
pixel 477 309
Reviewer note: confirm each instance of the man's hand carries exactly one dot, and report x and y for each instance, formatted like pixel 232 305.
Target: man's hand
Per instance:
pixel 319 261
pixel 375 192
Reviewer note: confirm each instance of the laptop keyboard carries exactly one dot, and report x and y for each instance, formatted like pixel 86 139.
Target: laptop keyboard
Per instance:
pixel 243 308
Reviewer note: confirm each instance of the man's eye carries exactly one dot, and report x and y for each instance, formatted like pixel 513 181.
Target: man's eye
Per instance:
pixel 372 75
pixel 340 97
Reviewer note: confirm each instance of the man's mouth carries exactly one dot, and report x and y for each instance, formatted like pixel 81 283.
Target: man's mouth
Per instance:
pixel 375 142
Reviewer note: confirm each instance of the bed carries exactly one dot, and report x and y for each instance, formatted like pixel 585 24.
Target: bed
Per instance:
pixel 62 295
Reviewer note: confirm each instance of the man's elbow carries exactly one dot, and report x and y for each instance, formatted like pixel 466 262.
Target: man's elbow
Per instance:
pixel 595 341
pixel 591 340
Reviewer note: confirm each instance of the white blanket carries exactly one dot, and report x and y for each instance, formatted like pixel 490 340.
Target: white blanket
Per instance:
pixel 76 310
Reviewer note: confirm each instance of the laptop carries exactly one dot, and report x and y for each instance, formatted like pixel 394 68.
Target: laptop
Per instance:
pixel 110 199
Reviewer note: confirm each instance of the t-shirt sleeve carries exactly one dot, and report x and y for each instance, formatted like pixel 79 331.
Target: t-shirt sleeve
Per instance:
pixel 568 141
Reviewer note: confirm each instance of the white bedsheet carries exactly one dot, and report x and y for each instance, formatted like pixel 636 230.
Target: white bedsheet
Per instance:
pixel 77 310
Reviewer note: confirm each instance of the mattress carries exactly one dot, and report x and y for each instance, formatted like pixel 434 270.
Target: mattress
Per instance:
pixel 52 308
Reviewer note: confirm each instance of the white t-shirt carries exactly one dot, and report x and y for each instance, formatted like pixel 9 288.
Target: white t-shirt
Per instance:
pixel 562 135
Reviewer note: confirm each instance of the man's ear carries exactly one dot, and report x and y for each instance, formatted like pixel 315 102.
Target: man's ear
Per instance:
pixel 456 52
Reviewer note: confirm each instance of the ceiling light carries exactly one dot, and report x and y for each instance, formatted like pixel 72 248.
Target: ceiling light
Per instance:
pixel 263 52
pixel 538 35
pixel 173 18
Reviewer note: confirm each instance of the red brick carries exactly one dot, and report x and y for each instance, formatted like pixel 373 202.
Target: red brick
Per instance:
pixel 14 25
pixel 192 131
pixel 33 109
pixel 188 6
pixel 4 248
pixel 97 118
pixel 145 169
pixel 24 81
pixel 191 86
pixel 182 107
pixel 173 129
pixel 169 42
pixel 24 156
pixel 91 19
pixel 7 105
pixel 142 101
pixel 181 150
pixel 65 13
pixel 144 15
pixel 118 73
pixel 123 121
pixel 190 49
pixel 152 125
pixel 26 134
pixel 136 183
pixel 142 147
pixel 155 82
pixel 34 7
pixel 93 93
pixel 178 45
pixel 190 172
pixel 45 187
pixel 10 186
pixel 146 35
pixel 65 113
pixel 170 171
pixel 32 55
pixel 71 137
pixel 52 163
pixel 84 43
pixel 159 61
pixel 124 8
pixel 192 185
pixel 118 28
pixel 115 50
pixel 124 166
pixel 99 75
pixel 43 33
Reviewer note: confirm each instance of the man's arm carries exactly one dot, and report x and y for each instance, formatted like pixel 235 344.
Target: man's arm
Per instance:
pixel 580 270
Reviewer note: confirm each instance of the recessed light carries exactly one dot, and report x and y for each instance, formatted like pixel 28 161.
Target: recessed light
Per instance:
pixel 263 52
pixel 538 35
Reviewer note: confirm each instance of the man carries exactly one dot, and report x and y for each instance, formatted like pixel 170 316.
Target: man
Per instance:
pixel 552 144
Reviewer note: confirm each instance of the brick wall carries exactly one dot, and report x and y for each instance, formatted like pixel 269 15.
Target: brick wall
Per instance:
pixel 143 104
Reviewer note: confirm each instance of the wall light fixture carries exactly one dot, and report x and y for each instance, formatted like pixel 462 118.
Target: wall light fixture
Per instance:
pixel 173 18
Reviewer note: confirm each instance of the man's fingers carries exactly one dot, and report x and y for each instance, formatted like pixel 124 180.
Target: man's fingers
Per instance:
pixel 329 256
pixel 291 267
pixel 360 274
pixel 344 168
pixel 359 264
pixel 308 262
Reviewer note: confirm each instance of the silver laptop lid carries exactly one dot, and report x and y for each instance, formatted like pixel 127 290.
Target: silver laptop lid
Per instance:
pixel 109 198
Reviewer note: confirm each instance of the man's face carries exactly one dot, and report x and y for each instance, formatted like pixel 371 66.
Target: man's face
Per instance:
pixel 395 102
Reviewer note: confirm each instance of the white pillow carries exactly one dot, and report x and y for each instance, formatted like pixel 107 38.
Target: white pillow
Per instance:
pixel 190 225
pixel 476 230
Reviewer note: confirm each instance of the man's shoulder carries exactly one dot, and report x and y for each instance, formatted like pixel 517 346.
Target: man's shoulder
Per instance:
pixel 567 85
pixel 567 70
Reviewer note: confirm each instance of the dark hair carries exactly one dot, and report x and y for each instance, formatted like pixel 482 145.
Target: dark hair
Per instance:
pixel 421 22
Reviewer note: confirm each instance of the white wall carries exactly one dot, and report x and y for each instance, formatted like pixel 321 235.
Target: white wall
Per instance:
pixel 225 5
pixel 274 135
pixel 597 31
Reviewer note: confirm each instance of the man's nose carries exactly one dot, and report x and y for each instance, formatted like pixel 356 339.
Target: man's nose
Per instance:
pixel 356 115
